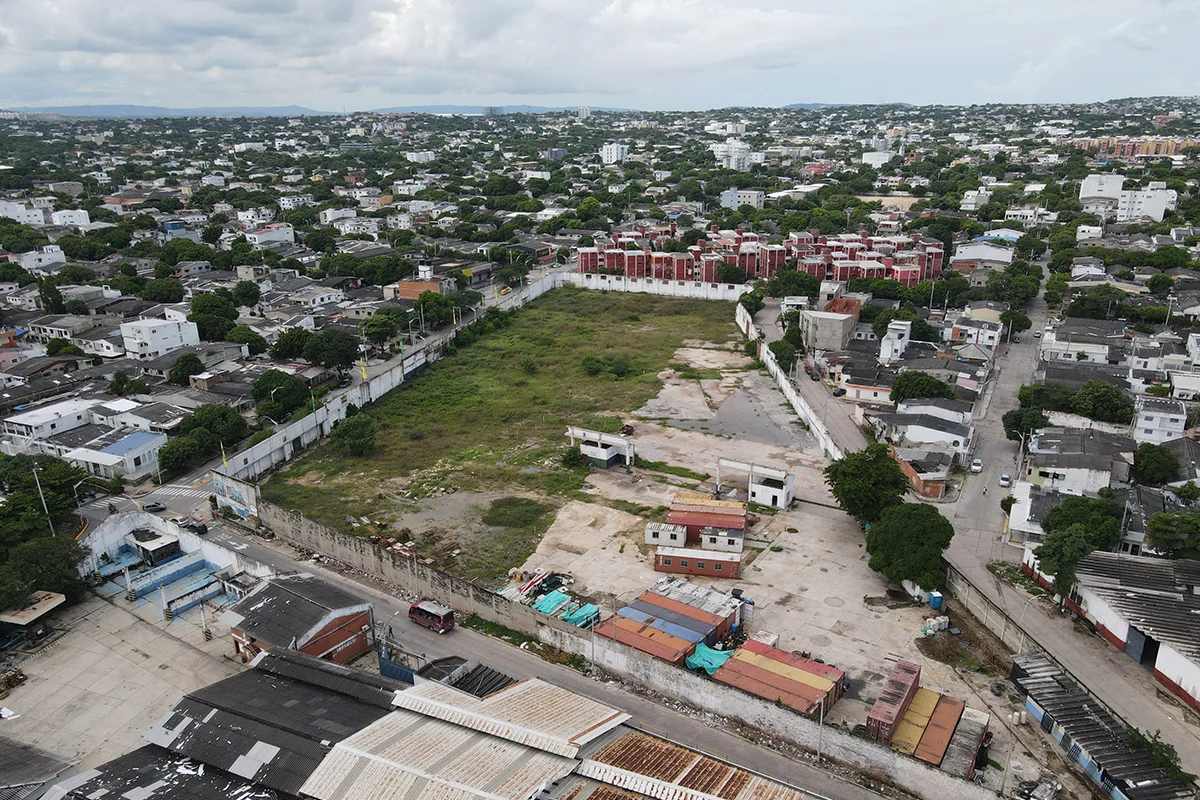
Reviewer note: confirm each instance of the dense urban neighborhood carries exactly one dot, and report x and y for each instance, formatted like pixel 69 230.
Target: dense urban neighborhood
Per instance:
pixel 809 452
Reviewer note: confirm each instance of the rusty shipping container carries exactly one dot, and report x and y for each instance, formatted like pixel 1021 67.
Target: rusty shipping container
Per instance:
pixel 893 700
pixel 646 639
pixel 770 686
pixel 912 725
pixel 964 744
pixel 941 727
pixel 723 624
pixel 800 662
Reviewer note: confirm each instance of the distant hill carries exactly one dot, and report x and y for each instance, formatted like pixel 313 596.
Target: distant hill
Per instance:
pixel 479 109
pixel 120 111
pixel 819 106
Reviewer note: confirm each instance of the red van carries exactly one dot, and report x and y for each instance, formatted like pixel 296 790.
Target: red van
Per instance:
pixel 432 615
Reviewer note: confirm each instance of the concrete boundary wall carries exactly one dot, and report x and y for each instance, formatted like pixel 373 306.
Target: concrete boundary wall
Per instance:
pixel 697 290
pixel 746 325
pixel 464 597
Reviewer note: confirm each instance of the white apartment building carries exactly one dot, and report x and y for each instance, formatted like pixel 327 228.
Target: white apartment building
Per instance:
pixel 1030 216
pixel 255 216
pixel 736 198
pixel 46 421
pixel 276 232
pixel 367 225
pixel 877 159
pixel 409 187
pixel 1158 419
pixel 1101 193
pixel 732 154
pixel 1154 202
pixel 290 202
pixel 72 217
pixel 42 261
pixel 22 213
pixel 614 153
pixel 975 199
pixel 420 156
pixel 147 339
pixel 327 216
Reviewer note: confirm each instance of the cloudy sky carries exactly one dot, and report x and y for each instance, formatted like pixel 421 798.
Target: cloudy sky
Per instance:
pixel 647 54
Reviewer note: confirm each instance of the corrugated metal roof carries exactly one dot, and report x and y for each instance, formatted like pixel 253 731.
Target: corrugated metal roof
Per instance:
pixel 693 499
pixel 531 712
pixel 798 661
pixel 415 757
pixel 646 764
pixel 914 722
pixel 821 684
pixel 150 773
pixel 287 608
pixel 943 721
pixel 698 614
pixel 645 638
pixel 697 519
pixel 770 686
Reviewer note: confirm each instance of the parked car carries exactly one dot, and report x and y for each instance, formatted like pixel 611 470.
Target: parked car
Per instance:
pixel 1005 480
pixel 1037 334
pixel 155 506
pixel 814 376
pixel 182 522
pixel 977 465
pixel 198 528
pixel 838 392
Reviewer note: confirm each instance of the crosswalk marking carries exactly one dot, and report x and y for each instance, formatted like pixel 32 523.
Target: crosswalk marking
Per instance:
pixel 180 491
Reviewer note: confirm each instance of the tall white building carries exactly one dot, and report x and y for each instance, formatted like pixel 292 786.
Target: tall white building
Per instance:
pixel 584 112
pixel 732 154
pixel 328 215
pixel 147 339
pixel 1101 193
pixel 736 198
pixel 614 153
pixel 22 213
pixel 1158 419
pixel 1154 202
pixel 73 217
pixel 420 156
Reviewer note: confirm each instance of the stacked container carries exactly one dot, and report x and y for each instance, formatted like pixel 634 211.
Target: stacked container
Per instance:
pixel 893 701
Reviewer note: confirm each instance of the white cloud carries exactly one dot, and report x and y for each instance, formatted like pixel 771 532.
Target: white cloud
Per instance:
pixel 636 53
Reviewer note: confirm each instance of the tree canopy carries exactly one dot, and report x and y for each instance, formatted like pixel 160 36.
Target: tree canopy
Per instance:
pixel 290 344
pixel 1073 529
pixel 867 483
pixel 1154 464
pixel 185 367
pixel 915 383
pixel 907 543
pixel 332 348
pixel 277 394
pixel 355 435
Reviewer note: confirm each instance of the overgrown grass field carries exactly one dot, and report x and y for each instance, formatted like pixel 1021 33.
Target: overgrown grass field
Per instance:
pixel 494 413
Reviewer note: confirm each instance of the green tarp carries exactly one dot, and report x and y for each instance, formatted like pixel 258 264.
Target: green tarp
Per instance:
pixel 707 659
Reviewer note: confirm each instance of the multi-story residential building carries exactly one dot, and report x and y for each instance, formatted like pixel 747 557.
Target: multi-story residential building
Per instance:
pixel 71 217
pixel 147 339
pixel 732 154
pixel 420 156
pixel 22 214
pixel 1153 202
pixel 290 202
pixel 614 153
pixel 45 260
pixel 736 198
pixel 975 199
pixel 1100 194
pixel 49 420
pixel 328 215
pixel 1030 216
pixel 1158 419
pixel 275 232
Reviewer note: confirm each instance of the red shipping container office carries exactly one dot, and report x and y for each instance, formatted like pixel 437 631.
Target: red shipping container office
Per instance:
pixel 708 563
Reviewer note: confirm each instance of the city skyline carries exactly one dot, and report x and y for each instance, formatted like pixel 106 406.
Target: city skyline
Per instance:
pixel 636 54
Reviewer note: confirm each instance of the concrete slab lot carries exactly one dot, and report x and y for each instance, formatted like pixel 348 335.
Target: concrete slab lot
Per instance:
pixel 91 694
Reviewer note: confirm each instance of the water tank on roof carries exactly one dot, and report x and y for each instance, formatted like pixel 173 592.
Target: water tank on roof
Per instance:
pixel 425 272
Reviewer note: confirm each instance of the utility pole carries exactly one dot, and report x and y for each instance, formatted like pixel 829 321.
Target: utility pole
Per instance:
pixel 36 470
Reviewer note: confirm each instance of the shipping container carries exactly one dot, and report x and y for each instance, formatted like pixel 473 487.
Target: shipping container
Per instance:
pixel 696 521
pixel 912 726
pixel 721 624
pixel 691 498
pixel 823 685
pixel 709 563
pixel 800 662
pixel 678 631
pixel 723 605
pixel 770 686
pixel 964 744
pixel 705 629
pixel 646 639
pixel 937 734
pixel 893 701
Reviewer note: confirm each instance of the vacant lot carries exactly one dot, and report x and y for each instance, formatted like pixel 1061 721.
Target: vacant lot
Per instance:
pixel 492 416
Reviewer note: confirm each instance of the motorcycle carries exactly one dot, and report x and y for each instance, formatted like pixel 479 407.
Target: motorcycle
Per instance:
pixel 112 509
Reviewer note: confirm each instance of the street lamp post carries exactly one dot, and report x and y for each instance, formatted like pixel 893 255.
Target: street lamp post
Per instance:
pixel 49 519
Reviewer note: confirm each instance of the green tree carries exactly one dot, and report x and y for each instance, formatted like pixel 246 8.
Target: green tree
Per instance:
pixel 56 346
pixel 244 334
pixel 731 273
pixel 277 394
pixel 22 517
pixel 907 543
pixel 51 297
pixel 1102 402
pixel 380 329
pixel 1016 321
pixel 1155 464
pixel 163 290
pixel 355 435
pixel 49 564
pixel 914 383
pixel 290 344
pixel 1160 284
pixel 213 303
pixel 1075 528
pixel 785 354
pixel 332 348
pixel 178 454
pixel 434 310
pixel 227 424
pixel 1174 535
pixel 867 482
pixel 245 293
pixel 1162 754
pixel 120 385
pixel 185 366
pixel 1023 421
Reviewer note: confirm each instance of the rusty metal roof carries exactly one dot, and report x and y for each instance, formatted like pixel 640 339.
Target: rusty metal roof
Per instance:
pixel 646 764
pixel 532 713
pixel 418 758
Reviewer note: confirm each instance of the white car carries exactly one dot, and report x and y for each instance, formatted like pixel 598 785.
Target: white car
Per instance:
pixel 977 465
pixel 1005 481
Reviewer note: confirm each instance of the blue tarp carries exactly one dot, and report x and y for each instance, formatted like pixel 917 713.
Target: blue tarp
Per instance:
pixel 552 602
pixel 707 659
pixel 677 631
